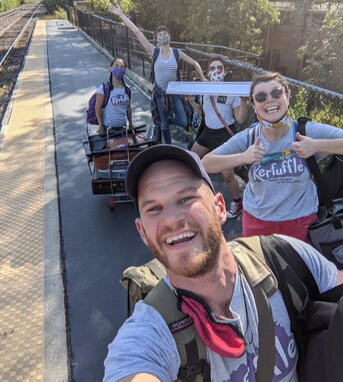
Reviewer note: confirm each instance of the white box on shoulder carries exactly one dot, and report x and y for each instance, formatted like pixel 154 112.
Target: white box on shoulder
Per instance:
pixel 241 89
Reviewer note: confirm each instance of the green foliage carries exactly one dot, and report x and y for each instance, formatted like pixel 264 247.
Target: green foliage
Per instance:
pixel 6 5
pixel 236 23
pixel 323 49
pixel 60 13
pixel 328 114
pixel 53 5
pixel 300 106
pixel 99 5
pixel 317 108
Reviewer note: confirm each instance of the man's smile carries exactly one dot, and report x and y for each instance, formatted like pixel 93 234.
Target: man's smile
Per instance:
pixel 181 238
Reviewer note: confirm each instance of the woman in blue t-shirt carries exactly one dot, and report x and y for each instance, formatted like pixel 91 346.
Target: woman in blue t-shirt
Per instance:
pixel 118 108
pixel 280 196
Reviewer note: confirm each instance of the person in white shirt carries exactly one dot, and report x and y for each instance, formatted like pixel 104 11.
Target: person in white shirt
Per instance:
pixel 215 132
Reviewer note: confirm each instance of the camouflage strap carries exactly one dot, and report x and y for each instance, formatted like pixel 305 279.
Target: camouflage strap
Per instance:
pixel 192 350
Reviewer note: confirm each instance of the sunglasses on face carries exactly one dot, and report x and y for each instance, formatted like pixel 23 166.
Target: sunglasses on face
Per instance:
pixel 262 96
pixel 219 68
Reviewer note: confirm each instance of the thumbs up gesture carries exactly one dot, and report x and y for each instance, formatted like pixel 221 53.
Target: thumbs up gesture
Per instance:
pixel 305 146
pixel 255 152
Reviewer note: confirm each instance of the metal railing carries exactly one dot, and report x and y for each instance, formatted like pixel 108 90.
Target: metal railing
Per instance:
pixel 316 103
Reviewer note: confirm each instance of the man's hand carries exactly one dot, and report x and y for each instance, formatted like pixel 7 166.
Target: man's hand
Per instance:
pixel 305 146
pixel 115 9
pixel 254 152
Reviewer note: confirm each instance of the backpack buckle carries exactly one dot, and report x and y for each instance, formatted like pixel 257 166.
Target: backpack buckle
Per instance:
pixel 200 368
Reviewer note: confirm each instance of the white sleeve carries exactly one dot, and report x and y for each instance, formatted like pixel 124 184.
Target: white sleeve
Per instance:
pixel 100 89
pixel 143 344
pixel 236 102
pixel 323 270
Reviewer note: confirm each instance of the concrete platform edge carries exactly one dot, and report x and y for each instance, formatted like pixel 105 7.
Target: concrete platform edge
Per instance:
pixel 56 364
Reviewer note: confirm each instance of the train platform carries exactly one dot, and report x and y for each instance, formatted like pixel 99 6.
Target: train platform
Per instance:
pixel 32 313
pixel 62 249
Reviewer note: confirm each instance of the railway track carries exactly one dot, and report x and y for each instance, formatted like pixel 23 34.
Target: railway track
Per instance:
pixel 16 28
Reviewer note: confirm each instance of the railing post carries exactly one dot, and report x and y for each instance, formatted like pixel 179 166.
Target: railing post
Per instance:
pixel 112 41
pixel 101 36
pixel 92 24
pixel 128 48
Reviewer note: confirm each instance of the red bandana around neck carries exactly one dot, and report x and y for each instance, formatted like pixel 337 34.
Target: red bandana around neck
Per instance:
pixel 222 338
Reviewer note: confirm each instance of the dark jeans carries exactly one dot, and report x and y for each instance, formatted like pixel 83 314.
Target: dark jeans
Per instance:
pixel 180 117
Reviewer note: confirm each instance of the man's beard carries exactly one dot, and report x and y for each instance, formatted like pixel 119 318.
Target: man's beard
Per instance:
pixel 201 263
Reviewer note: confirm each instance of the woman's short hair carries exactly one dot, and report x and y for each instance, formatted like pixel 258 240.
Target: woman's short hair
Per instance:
pixel 215 58
pixel 161 28
pixel 266 77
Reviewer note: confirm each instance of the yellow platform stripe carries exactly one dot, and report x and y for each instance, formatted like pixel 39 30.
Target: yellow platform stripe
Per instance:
pixel 22 220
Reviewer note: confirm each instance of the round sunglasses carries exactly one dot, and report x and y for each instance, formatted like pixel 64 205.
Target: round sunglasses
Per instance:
pixel 219 68
pixel 262 96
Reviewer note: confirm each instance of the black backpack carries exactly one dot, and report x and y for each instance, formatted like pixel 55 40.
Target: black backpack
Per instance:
pixel 330 178
pixel 154 58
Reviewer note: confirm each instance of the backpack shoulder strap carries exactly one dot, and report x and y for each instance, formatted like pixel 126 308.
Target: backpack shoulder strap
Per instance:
pixel 177 55
pixel 191 348
pixel 153 60
pixel 301 125
pixel 296 282
pixel 107 87
pixel 251 258
pixel 256 272
pixel 177 58
pixel 252 132
pixel 127 90
pixel 313 166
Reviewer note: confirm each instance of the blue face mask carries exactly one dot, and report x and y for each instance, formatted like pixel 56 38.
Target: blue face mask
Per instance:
pixel 118 72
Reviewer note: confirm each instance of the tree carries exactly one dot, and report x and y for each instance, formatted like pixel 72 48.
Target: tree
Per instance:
pixel 323 48
pixel 53 5
pixel 236 23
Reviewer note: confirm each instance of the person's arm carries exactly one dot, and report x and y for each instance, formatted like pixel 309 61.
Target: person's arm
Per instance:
pixel 195 64
pixel 141 377
pixel 129 116
pixel 306 146
pixel 339 277
pixel 116 10
pixel 215 163
pixel 197 107
pixel 240 112
pixel 99 101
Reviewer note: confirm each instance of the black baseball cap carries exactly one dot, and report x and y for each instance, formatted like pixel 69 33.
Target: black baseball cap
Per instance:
pixel 161 152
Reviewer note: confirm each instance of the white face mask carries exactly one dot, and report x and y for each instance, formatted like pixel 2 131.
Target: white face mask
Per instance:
pixel 215 76
pixel 275 125
pixel 163 40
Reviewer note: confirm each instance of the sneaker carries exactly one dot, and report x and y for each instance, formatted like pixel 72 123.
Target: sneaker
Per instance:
pixel 235 209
